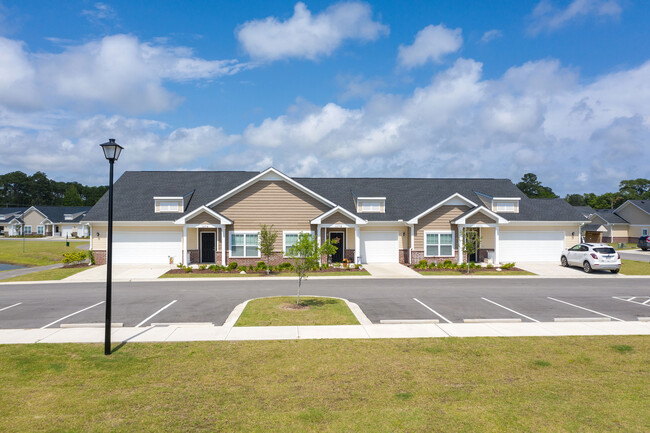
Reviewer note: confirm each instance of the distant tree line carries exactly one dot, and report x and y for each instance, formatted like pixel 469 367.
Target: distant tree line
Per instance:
pixel 19 189
pixel 632 189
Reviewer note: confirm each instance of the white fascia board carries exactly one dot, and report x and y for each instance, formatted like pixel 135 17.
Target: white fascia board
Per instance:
pixel 356 219
pixel 222 219
pixel 12 221
pixel 272 171
pixel 46 221
pixel 371 198
pixel 499 218
pixel 506 198
pixel 386 223
pixel 442 203
pixel 167 198
pixel 546 223
pixel 131 223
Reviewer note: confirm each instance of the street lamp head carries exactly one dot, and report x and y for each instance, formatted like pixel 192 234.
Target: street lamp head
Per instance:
pixel 111 150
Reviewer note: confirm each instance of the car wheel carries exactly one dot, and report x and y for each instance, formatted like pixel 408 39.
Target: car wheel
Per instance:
pixel 614 271
pixel 587 267
pixel 564 261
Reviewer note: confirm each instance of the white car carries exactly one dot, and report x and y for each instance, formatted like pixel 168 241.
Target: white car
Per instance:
pixel 592 256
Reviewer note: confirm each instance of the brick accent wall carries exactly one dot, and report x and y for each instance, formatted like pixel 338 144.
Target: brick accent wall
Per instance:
pixel 194 256
pixel 419 255
pixel 100 257
pixel 349 254
pixel 274 260
pixel 403 256
pixel 483 254
pixel 617 239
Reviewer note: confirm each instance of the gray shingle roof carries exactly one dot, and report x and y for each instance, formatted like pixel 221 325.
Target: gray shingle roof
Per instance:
pixel 405 197
pixel 56 214
pixel 585 210
pixel 609 216
pixel 643 204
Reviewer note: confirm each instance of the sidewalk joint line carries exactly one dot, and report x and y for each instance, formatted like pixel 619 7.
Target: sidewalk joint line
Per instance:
pixel 154 314
pixel 432 310
pixel 512 311
pixel 586 309
pixel 69 315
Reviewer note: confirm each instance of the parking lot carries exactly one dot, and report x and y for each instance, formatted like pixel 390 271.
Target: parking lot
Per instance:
pixel 449 301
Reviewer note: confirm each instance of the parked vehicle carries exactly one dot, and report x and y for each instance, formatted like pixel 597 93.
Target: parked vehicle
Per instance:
pixel 643 242
pixel 592 256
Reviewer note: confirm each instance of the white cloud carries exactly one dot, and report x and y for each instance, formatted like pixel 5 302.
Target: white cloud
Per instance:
pixel 547 17
pixel 100 12
pixel 116 72
pixel 309 36
pixel 431 44
pixel 491 35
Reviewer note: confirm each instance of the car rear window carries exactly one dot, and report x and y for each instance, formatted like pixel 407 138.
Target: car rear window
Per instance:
pixel 605 250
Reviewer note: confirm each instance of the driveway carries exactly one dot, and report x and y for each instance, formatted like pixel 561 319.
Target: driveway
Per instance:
pixel 390 270
pixel 555 270
pixel 121 273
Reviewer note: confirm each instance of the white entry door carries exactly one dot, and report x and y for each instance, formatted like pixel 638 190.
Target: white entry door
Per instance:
pixel 530 246
pixel 379 247
pixel 147 247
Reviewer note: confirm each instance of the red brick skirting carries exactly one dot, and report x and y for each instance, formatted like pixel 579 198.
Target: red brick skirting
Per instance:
pixel 100 257
pixel 419 255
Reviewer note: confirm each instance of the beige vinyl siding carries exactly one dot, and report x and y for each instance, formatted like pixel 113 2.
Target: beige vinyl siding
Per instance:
pixel 480 218
pixel 569 239
pixel 33 219
pixel 337 218
pixel 350 236
pixel 404 236
pixel 203 218
pixel 99 243
pixel 487 238
pixel 192 235
pixel 598 220
pixel 438 220
pixel 620 230
pixel 635 231
pixel 634 215
pixel 272 203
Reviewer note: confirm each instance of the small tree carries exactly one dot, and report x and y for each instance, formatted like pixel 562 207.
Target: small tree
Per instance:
pixel 306 253
pixel 471 242
pixel 267 242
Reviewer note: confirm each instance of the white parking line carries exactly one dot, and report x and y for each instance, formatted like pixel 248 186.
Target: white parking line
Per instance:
pixel 432 310
pixel 69 315
pixel 645 303
pixel 6 308
pixel 512 311
pixel 586 309
pixel 149 318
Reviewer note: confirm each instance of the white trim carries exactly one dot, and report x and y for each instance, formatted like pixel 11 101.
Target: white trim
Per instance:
pixel 544 223
pixel 463 219
pixel 440 232
pixel 25 231
pixel 347 213
pixel 216 245
pixel 371 198
pixel 48 221
pixel 506 198
pixel 273 171
pixel 133 223
pixel 185 218
pixel 439 204
pixel 223 246
pixel 387 223
pixel 345 238
pixel 620 207
pixel 167 198
pixel 232 233
pixel 38 227
pixel 178 202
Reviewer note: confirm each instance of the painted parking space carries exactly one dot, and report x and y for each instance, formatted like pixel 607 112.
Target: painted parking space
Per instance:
pixel 461 309
pixel 542 309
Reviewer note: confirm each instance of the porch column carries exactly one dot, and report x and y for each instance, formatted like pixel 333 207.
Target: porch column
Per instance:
pixel 318 240
pixel 496 245
pixel 357 244
pixel 460 244
pixel 185 258
pixel 223 245
pixel 412 242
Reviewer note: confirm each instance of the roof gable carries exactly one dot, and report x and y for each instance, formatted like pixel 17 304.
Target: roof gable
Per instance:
pixel 463 219
pixel 453 200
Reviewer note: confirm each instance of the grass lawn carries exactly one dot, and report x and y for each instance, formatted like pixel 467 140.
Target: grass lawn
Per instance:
pixel 37 253
pixel 448 384
pixel 632 267
pixel 278 311
pixel 476 274
pixel 51 274
pixel 256 274
pixel 628 246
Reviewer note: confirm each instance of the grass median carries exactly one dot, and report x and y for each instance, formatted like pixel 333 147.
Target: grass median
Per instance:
pixel 37 253
pixel 633 267
pixel 50 274
pixel 446 384
pixel 283 311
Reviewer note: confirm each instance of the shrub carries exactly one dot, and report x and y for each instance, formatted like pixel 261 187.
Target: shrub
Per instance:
pixel 448 264
pixel 232 266
pixel 203 267
pixel 508 266
pixel 453 266
pixel 285 265
pixel 180 266
pixel 91 256
pixel 489 266
pixel 241 268
pixel 357 266
pixel 440 265
pixel 423 262
pixel 215 268
pixel 432 265
pixel 74 257
pixel 188 269
pixel 325 266
pixel 250 268
pixel 261 266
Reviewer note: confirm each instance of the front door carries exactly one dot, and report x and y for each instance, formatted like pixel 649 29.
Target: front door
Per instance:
pixel 474 256
pixel 337 239
pixel 208 241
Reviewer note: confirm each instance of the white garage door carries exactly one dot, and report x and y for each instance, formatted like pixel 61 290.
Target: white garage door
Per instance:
pixel 379 247
pixel 530 246
pixel 147 247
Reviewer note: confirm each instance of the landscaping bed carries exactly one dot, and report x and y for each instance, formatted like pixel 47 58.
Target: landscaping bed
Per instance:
pixel 283 311
pixel 475 271
pixel 236 271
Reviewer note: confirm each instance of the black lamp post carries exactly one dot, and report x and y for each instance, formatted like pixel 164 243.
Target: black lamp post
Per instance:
pixel 111 152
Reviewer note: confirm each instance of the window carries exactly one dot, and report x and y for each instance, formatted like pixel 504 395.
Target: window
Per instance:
pixel 40 230
pixel 290 240
pixel 68 217
pixel 644 232
pixel 507 206
pixel 244 244
pixel 169 206
pixel 370 207
pixel 28 230
pixel 439 244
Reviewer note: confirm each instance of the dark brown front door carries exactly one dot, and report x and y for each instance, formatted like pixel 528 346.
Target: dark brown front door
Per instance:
pixel 208 241
pixel 337 239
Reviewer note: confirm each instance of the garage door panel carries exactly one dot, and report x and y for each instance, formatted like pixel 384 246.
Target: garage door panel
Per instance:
pixel 146 247
pixel 379 246
pixel 530 246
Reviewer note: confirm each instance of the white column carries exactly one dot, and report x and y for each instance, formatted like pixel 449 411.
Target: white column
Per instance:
pixel 223 245
pixel 496 245
pixel 185 254
pixel 460 244
pixel 357 244
pixel 318 240
pixel 412 243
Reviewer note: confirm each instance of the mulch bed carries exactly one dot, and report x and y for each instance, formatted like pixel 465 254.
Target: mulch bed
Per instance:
pixel 260 273
pixel 78 265
pixel 471 271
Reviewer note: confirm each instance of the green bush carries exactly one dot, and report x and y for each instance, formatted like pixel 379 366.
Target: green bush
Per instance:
pixel 250 268
pixel 508 266
pixel 215 268
pixel 91 256
pixel 423 262
pixel 261 266
pixel 440 265
pixel 180 266
pixel 74 257
pixel 203 267
pixel 188 269
pixel 241 268
pixel 232 266
pixel 285 265
pixel 325 266
pixel 489 266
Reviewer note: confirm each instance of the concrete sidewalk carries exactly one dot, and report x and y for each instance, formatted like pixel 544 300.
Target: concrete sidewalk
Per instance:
pixel 206 332
pixel 120 273
pixel 391 270
pixel 24 271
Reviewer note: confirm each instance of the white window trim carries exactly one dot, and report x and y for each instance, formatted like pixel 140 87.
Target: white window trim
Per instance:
pixel 25 230
pixel 162 203
pixel 40 227
pixel 244 256
pixel 291 232
pixel 370 206
pixel 440 232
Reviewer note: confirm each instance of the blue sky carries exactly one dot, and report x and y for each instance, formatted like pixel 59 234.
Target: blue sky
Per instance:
pixel 414 89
